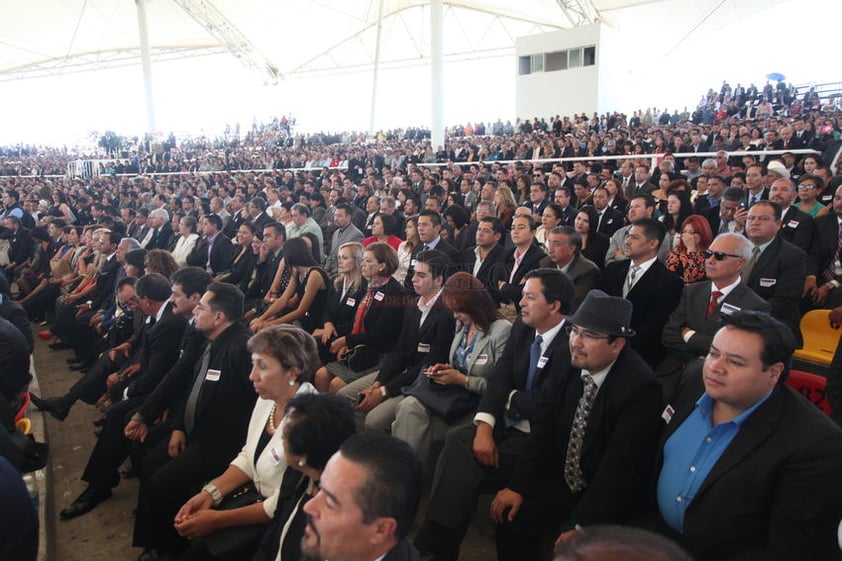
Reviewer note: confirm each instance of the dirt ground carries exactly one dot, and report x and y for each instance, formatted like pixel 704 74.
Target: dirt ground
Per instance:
pixel 106 532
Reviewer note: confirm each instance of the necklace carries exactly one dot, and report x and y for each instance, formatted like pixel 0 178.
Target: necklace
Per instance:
pixel 271 424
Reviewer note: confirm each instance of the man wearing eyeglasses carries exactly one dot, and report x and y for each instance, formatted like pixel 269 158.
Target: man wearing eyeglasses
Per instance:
pixel 585 462
pixel 692 325
pixel 776 268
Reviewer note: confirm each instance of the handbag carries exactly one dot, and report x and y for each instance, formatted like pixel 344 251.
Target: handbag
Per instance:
pixel 360 357
pixel 237 542
pixel 448 402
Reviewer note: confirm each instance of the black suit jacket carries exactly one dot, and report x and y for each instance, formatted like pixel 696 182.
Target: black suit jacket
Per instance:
pixel 512 290
pixel 159 351
pixel 823 246
pixel 778 277
pixel 798 228
pixel 162 239
pixel 492 269
pixel 618 449
pixel 419 346
pixel 383 320
pixel 106 284
pixel 654 296
pixel 261 221
pixel 222 254
pixel 16 315
pixel 224 406
pixel 582 271
pixel 511 373
pixel 775 493
pixel 444 246
pixel 612 220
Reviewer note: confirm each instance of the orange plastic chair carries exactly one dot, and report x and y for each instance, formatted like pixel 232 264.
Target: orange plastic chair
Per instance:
pixel 811 386
pixel 820 340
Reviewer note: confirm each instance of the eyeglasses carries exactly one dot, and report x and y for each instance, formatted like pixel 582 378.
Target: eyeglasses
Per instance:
pixel 689 232
pixel 573 330
pixel 806 186
pixel 719 255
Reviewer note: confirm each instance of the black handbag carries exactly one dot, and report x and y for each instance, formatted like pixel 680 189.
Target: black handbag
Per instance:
pixel 360 357
pixel 239 542
pixel 448 402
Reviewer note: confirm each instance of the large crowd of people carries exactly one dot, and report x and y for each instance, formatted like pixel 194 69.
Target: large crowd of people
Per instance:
pixel 597 341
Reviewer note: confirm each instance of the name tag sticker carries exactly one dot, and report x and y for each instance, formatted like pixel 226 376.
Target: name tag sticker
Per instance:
pixel 277 457
pixel 728 309
pixel 668 414
pixel 379 296
pixel 766 283
pixel 481 359
pixel 351 302
pixel 542 362
pixel 213 375
pixel 793 224
pixel 423 347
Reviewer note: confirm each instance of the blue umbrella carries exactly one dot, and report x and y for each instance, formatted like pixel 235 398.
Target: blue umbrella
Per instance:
pixel 776 76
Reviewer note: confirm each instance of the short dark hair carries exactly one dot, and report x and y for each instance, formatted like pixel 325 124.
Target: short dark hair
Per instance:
pixel 349 210
pixel 215 220
pixel 438 262
pixel 113 237
pixel 648 201
pixel 734 194
pixel 556 287
pixel 778 339
pixel 279 228
pixel 433 215
pixel 320 424
pixel 573 237
pixel 598 543
pixel 390 225
pixel 193 280
pixel 153 286
pixel 652 229
pixel 496 225
pixel 297 254
pixel 776 208
pixel 227 299
pixel 392 487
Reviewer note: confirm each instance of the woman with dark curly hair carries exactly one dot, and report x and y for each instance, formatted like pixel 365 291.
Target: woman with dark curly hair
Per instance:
pixel 594 244
pixel 687 259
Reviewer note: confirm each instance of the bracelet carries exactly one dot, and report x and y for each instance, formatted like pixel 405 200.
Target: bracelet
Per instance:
pixel 214 492
pixel 467 379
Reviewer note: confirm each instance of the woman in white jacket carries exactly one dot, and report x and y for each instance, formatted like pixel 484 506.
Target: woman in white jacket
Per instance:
pixel 284 358
pixel 186 240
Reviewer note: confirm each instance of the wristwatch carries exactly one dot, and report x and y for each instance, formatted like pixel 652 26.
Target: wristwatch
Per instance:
pixel 213 491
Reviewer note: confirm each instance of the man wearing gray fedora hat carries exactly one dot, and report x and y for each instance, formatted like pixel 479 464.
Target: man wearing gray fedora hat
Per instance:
pixel 590 454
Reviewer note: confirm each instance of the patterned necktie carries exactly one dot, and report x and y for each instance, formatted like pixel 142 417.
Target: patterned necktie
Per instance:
pixel 534 355
pixel 714 302
pixel 572 468
pixel 830 272
pixel 630 280
pixel 750 265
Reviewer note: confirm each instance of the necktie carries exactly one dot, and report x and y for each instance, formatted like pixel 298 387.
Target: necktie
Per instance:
pixel 425 248
pixel 714 302
pixel 723 226
pixel 630 280
pixel 534 355
pixel 193 398
pixel 572 468
pixel 830 272
pixel 750 265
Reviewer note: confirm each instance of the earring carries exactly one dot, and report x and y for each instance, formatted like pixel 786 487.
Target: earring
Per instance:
pixel 291 382
pixel 302 463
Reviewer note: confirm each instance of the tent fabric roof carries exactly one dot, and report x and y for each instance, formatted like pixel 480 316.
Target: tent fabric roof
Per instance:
pixel 296 36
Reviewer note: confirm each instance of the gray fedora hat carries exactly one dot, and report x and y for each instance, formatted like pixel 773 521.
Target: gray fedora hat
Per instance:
pixel 605 314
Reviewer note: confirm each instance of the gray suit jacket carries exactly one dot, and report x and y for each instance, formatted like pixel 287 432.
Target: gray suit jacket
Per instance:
pixel 582 271
pixel 487 350
pixel 340 237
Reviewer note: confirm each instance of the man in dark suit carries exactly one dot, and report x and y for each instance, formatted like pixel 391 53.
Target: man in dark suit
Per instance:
pixel 824 271
pixel 161 230
pixel 652 289
pixel 268 259
pixel 159 350
pixel 641 184
pixel 756 189
pixel 429 228
pixel 485 259
pixel 538 199
pixel 425 339
pixel 592 443
pixel 609 220
pixel 729 214
pixel 480 458
pixel 257 213
pixel 564 248
pixel 518 261
pixel 691 327
pixel 236 207
pixel 21 244
pixel 776 269
pixel 210 420
pixel 561 197
pixel 215 252
pixel 748 468
pixel 373 481
pixel 797 226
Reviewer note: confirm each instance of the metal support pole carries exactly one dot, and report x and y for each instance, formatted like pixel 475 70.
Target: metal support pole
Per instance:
pixel 147 65
pixel 437 78
pixel 376 76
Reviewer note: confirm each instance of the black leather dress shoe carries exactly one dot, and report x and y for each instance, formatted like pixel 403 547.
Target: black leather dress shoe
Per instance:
pixel 55 406
pixel 85 503
pixel 74 360
pixel 59 346
pixel 80 366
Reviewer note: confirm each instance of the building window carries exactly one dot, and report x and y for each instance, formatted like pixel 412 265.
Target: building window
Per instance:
pixel 590 56
pixel 574 59
pixel 555 61
pixel 538 63
pixel 524 65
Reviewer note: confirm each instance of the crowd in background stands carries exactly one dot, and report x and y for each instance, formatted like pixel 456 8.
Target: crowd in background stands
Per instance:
pixel 368 246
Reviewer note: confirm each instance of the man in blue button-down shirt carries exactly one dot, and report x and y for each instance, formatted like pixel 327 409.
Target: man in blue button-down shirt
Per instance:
pixel 749 468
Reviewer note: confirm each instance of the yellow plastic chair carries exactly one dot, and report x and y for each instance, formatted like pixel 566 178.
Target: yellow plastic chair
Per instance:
pixel 820 340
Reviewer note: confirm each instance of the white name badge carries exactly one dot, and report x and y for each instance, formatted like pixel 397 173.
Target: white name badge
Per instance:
pixel 668 414
pixel 423 347
pixel 350 302
pixel 276 456
pixel 213 375
pixel 481 359
pixel 542 362
pixel 766 283
pixel 379 296
pixel 728 309
pixel 793 224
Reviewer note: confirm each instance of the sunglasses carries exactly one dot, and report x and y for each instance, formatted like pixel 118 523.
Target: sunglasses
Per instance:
pixel 719 255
